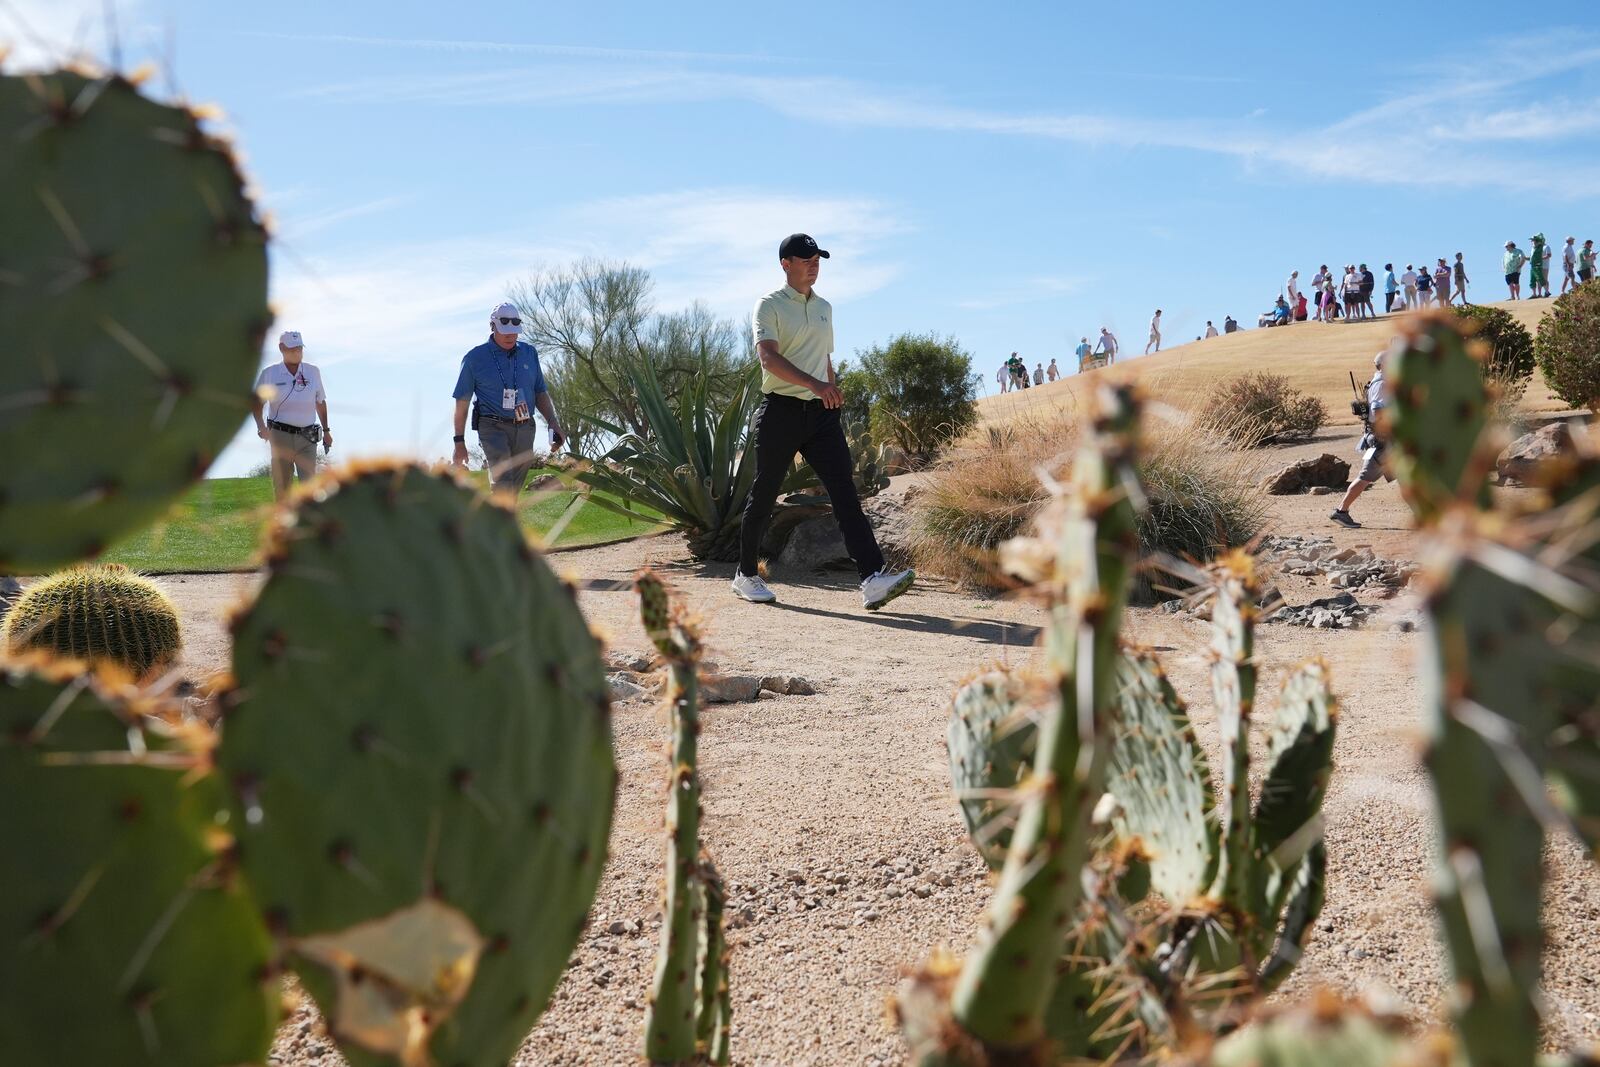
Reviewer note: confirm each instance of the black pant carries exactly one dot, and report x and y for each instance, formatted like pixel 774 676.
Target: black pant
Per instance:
pixel 1388 302
pixel 786 425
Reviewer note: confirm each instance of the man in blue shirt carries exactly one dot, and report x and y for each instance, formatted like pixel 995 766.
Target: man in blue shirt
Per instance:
pixel 502 379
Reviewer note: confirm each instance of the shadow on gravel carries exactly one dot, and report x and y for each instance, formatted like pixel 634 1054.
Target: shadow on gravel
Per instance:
pixel 985 630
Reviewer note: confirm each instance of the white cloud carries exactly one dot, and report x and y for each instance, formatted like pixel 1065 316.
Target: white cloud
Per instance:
pixel 721 245
pixel 37 34
pixel 1025 291
pixel 433 44
pixel 1537 122
pixel 1442 133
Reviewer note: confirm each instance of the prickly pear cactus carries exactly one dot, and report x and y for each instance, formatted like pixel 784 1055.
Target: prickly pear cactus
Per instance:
pixel 133 296
pixel 990 737
pixel 1438 411
pixel 127 935
pixel 997 1002
pixel 102 614
pixel 419 751
pixel 1326 1032
pixel 1512 696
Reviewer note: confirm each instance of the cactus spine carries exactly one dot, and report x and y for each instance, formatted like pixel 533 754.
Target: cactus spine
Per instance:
pixel 687 1020
pixel 101 614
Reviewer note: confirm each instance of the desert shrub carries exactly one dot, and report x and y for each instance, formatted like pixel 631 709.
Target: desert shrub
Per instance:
pixel 1568 347
pixel 1510 362
pixel 1258 409
pixel 1203 497
pixel 919 390
pixel 693 468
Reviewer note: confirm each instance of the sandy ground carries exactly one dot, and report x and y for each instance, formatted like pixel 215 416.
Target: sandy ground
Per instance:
pixel 1316 358
pixel 832 819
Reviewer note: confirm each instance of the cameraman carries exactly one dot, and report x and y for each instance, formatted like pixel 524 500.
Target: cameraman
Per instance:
pixel 1371 446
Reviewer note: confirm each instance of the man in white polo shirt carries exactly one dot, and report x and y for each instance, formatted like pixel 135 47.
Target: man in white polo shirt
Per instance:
pixel 296 415
pixel 800 413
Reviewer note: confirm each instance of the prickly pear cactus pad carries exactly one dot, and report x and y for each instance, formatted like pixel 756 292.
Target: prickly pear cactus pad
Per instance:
pixel 1327 1032
pixel 133 301
pixel 419 748
pixel 1158 775
pixel 1437 416
pixel 990 737
pixel 125 935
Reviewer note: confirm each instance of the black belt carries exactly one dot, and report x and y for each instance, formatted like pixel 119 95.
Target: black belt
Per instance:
pixel 299 431
pixel 786 398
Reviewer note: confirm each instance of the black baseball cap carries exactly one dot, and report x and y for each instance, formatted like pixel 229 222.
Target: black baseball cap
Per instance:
pixel 800 246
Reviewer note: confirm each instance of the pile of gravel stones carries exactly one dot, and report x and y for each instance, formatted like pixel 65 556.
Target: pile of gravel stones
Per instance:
pixel 1348 569
pixel 1345 568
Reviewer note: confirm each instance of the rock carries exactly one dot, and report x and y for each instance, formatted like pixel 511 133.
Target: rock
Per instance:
pixel 1328 470
pixel 1339 612
pixel 789 514
pixel 729 688
pixel 1322 490
pixel 891 521
pixel 788 685
pixel 1271 600
pixel 1522 457
pixel 625 688
pixel 814 543
pixel 629 660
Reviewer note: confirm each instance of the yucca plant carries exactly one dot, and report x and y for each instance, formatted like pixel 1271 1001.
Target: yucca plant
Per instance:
pixel 694 468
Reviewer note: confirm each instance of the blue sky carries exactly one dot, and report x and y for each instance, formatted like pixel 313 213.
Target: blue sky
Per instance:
pixel 1012 174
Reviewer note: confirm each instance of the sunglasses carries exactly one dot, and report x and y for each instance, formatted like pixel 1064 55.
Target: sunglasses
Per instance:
pixel 509 322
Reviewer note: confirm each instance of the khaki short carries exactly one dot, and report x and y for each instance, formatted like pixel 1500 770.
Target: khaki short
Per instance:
pixel 1373 466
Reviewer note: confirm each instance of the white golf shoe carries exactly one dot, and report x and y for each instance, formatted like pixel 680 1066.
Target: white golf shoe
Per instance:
pixel 750 587
pixel 884 587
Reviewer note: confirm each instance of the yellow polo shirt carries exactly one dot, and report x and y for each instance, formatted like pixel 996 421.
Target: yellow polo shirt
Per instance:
pixel 803 328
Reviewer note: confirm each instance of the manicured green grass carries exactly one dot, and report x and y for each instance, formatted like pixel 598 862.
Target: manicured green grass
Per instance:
pixel 218 527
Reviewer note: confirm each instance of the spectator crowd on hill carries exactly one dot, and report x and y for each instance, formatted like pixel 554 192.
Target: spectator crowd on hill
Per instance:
pixel 1347 294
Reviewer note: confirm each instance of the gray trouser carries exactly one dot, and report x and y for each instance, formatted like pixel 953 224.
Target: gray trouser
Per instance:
pixel 292 454
pixel 508 447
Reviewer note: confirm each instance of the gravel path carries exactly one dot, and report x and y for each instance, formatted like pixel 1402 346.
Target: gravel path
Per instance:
pixel 831 817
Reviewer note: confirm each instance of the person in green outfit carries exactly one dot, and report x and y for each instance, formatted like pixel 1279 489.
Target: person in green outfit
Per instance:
pixel 1537 281
pixel 1586 263
pixel 1514 259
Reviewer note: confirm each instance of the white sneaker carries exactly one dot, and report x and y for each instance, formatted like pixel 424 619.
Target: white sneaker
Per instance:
pixel 884 587
pixel 750 587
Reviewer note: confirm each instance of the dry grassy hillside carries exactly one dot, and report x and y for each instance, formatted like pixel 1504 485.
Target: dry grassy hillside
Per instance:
pixel 1315 357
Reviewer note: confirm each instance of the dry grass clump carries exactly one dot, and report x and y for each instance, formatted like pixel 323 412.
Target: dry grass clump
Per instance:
pixel 1203 497
pixel 1258 409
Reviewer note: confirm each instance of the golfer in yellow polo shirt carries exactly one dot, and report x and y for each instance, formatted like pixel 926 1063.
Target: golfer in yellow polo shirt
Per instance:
pixel 800 413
